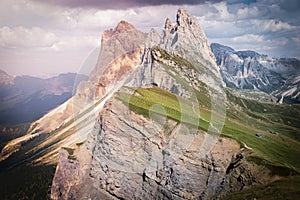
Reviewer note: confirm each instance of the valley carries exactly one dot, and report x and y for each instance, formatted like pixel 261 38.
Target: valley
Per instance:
pixel 163 116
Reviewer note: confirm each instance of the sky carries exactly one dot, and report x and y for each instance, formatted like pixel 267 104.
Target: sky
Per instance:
pixel 45 38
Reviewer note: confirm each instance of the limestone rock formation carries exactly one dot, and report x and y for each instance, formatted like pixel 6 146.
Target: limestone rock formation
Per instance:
pixel 120 53
pixel 130 163
pixel 129 156
pixel 123 158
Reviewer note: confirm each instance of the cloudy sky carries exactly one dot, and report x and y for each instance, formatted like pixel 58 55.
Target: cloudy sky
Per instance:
pixel 44 38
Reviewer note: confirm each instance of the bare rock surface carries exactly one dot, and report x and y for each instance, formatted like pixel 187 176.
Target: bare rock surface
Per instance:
pixel 128 156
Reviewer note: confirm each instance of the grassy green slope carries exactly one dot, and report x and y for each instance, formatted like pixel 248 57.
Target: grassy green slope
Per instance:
pixel 241 123
pixel 245 118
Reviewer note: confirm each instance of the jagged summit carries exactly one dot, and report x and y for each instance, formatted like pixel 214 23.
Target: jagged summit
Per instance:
pixel 187 39
pixel 122 26
pixel 186 32
pixel 124 38
pixel 168 24
pixel 183 18
pixel 151 138
pixel 248 53
pixel 184 23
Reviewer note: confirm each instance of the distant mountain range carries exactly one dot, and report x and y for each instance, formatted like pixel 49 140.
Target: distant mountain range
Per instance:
pixel 155 121
pixel 279 77
pixel 26 98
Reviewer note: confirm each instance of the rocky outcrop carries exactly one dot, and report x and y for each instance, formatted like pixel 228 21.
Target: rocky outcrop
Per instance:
pixel 115 43
pixel 130 57
pixel 242 174
pixel 128 156
pixel 121 50
pixel 187 39
pixel 68 176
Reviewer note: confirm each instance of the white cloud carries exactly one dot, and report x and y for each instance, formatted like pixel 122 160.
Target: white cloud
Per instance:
pixel 223 12
pixel 248 12
pixel 59 34
pixel 76 43
pixel 86 19
pixel 282 41
pixel 296 40
pixel 243 42
pixel 259 43
pixel 26 37
pixel 210 12
pixel 249 38
pixel 272 25
pixel 40 39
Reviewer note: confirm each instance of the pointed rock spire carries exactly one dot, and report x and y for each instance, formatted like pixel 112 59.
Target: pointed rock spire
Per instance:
pixel 188 40
pixel 122 26
pixel 182 17
pixel 168 24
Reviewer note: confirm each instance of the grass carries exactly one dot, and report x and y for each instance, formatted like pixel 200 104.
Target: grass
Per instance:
pixel 179 60
pixel 79 143
pixel 175 107
pixel 184 64
pixel 287 188
pixel 244 118
pixel 281 152
pixel 70 151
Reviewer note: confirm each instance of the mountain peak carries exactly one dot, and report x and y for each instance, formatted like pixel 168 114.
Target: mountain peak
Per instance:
pixel 168 24
pixel 122 26
pixel 182 17
pixel 186 38
pixel 5 78
pixel 184 22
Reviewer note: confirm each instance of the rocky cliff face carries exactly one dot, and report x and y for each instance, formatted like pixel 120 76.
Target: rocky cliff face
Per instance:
pixel 124 159
pixel 187 39
pixel 250 70
pixel 120 53
pixel 133 158
pixel 121 50
pixel 130 156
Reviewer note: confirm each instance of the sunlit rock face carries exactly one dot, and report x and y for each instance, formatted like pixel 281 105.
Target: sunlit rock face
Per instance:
pixel 129 156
